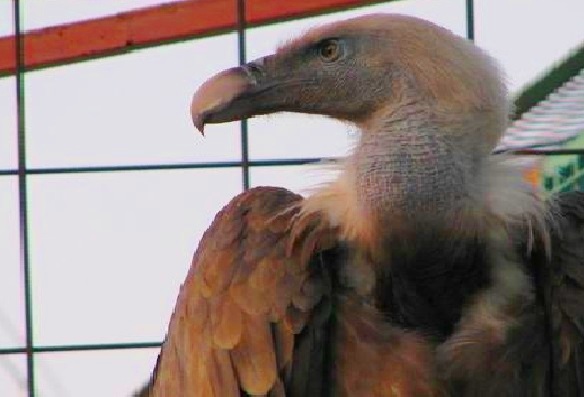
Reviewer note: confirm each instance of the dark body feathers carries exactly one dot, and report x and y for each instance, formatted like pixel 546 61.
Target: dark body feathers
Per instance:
pixel 562 287
pixel 429 279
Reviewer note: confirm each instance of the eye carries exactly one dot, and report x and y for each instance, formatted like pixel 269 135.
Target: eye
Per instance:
pixel 330 50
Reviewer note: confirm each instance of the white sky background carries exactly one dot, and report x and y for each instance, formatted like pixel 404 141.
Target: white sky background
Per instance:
pixel 109 251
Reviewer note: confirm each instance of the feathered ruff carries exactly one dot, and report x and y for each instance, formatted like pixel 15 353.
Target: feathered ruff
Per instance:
pixel 499 198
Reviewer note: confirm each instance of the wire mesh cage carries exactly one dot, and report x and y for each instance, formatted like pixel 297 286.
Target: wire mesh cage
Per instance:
pixel 105 187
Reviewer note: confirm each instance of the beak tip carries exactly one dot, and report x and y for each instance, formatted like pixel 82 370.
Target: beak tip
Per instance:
pixel 199 123
pixel 212 101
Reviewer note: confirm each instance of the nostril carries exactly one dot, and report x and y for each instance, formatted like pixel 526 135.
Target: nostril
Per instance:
pixel 255 69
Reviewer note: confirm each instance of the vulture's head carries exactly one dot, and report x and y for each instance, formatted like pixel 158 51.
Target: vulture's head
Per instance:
pixel 427 101
pixel 354 69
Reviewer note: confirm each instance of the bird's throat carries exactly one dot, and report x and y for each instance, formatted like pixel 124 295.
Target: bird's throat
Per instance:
pixel 408 169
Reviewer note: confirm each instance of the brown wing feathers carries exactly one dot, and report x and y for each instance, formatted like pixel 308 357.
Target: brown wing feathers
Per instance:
pixel 249 292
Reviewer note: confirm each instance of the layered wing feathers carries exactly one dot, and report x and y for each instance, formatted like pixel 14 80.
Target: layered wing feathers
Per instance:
pixel 251 312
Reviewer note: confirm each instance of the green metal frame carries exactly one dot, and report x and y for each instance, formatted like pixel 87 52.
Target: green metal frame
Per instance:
pixel 551 81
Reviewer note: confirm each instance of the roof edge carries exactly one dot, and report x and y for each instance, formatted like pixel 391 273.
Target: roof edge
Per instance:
pixel 557 75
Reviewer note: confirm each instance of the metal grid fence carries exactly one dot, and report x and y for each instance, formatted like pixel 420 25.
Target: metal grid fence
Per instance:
pixel 22 172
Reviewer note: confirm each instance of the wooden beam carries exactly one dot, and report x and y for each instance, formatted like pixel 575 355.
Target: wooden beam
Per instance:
pixel 152 26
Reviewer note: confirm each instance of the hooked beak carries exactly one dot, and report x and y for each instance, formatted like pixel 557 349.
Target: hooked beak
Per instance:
pixel 229 95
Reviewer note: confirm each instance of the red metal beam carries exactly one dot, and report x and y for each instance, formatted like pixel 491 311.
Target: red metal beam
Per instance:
pixel 165 23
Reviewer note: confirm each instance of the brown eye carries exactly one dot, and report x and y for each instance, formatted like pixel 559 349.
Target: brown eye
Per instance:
pixel 329 50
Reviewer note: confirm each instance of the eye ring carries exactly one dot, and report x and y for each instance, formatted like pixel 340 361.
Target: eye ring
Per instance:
pixel 329 50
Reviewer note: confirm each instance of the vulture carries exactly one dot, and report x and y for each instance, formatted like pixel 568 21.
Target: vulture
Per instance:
pixel 428 267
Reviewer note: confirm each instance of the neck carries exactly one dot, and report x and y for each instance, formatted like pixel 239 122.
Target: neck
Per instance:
pixel 415 172
pixel 406 166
